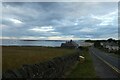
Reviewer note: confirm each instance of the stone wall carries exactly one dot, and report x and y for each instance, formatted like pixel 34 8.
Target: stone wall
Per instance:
pixel 54 68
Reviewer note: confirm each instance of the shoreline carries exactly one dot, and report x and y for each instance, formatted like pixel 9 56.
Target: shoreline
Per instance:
pixel 48 43
pixel 27 46
pixel 36 40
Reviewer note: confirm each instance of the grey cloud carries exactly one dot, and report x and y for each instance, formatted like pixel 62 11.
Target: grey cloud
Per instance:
pixel 62 16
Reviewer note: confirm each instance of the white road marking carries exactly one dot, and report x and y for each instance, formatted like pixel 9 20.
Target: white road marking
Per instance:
pixel 113 67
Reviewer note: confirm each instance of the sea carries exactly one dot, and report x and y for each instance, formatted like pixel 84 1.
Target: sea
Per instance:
pixel 50 43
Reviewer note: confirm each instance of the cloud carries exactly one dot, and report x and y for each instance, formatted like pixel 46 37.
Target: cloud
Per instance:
pixel 42 29
pixel 107 19
pixel 3 26
pixel 25 37
pixel 16 21
pixel 87 30
pixel 32 37
pixel 63 37
pixel 45 30
pixel 8 37
pixel 59 20
pixel 114 36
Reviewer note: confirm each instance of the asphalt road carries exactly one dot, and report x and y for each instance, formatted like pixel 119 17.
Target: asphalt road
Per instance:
pixel 106 66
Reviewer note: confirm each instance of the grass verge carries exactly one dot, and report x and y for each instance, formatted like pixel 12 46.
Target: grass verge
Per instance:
pixel 84 70
pixel 15 56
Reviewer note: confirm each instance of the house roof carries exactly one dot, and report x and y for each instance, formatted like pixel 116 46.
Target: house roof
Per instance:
pixel 70 44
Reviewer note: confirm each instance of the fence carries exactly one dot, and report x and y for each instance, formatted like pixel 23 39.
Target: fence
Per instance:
pixel 54 68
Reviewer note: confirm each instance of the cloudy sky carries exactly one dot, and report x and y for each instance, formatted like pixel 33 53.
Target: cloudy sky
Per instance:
pixel 59 20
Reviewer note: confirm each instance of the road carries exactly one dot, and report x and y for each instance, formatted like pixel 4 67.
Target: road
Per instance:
pixel 106 66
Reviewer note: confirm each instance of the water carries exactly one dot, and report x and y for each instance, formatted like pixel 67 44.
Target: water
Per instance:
pixel 13 42
pixel 52 43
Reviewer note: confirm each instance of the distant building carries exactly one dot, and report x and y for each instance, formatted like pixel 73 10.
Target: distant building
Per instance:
pixel 70 44
pixel 111 46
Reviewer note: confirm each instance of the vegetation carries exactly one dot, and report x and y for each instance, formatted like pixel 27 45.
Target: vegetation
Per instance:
pixel 15 56
pixel 97 44
pixel 92 41
pixel 84 70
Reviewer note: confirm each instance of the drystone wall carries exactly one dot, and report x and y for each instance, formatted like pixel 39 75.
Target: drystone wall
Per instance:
pixel 54 68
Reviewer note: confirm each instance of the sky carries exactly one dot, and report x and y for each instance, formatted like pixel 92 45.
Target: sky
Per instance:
pixel 59 20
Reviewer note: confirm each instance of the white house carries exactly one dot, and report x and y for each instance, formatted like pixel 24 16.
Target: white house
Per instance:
pixel 111 46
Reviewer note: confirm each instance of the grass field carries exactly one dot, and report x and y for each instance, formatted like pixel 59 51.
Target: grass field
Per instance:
pixel 85 69
pixel 14 57
pixel 0 62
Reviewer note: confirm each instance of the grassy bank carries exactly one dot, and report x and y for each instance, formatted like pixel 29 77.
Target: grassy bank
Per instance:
pixel 14 57
pixel 84 70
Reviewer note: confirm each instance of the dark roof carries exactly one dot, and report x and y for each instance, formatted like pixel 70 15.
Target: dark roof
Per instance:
pixel 69 44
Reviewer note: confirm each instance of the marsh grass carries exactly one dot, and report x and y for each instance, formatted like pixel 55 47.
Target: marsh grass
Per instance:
pixel 15 56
